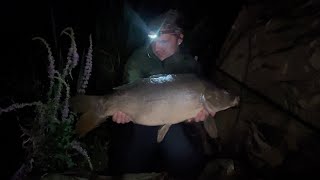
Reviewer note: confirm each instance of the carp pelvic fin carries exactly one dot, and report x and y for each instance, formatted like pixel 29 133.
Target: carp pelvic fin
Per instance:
pixel 162 132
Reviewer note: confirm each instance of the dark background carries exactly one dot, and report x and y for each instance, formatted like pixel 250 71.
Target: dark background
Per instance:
pixel 116 26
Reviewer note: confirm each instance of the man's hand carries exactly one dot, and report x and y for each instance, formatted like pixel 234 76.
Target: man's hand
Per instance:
pixel 121 118
pixel 201 116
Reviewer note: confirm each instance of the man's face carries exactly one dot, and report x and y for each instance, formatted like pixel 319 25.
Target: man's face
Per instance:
pixel 166 45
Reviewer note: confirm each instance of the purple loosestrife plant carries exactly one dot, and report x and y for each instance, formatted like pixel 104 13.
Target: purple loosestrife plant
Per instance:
pixel 73 56
pixel 19 106
pixel 87 71
pixel 51 67
pixel 50 143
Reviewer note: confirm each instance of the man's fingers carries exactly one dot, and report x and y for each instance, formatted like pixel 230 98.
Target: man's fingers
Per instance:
pixel 123 118
pixel 126 119
pixel 120 117
pixel 205 115
pixel 115 117
pixel 199 116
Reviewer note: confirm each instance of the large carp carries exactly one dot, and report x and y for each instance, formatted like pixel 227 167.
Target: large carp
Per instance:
pixel 163 99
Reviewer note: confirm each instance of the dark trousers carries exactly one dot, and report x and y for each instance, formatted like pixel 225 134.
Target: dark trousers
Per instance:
pixel 134 149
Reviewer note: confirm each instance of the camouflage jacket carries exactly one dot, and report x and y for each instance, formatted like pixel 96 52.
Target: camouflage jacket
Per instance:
pixel 143 63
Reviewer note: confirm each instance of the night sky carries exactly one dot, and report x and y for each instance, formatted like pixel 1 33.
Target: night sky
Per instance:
pixel 23 20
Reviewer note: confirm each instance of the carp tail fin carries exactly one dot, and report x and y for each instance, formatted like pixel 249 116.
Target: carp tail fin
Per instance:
pixel 87 122
pixel 91 110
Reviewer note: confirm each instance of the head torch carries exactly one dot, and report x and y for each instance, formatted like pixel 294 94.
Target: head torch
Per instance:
pixel 166 23
pixel 155 34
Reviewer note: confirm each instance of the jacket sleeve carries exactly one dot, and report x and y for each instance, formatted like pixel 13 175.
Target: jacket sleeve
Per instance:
pixel 132 69
pixel 195 65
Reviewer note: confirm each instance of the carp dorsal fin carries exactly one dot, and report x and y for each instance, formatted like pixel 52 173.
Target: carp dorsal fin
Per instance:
pixel 162 132
pixel 211 127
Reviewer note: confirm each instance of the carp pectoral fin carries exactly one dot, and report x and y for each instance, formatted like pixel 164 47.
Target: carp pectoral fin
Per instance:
pixel 162 132
pixel 211 127
pixel 87 122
